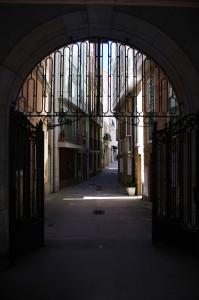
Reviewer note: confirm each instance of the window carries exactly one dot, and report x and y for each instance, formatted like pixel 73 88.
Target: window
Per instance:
pixel 117 130
pixel 129 144
pixel 68 131
pixel 128 126
pixel 136 134
pixel 129 166
pixel 121 147
pixel 150 105
pixel 150 95
pixel 173 105
pixel 122 129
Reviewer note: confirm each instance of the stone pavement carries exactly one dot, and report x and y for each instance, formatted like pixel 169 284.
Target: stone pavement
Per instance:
pixel 105 256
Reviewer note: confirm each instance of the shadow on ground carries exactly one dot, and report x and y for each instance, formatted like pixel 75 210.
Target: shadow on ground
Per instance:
pixel 105 256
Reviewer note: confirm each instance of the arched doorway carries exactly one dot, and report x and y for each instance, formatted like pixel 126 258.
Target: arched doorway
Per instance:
pixel 136 31
pixel 71 92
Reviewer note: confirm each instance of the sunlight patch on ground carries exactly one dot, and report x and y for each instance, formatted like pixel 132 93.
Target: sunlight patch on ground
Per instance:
pixel 104 198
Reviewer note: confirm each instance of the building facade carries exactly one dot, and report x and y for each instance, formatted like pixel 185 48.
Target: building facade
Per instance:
pixel 151 98
pixel 61 91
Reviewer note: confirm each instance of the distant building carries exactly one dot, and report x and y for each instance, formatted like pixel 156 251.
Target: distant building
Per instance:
pixel 150 98
pixel 61 91
pixel 110 144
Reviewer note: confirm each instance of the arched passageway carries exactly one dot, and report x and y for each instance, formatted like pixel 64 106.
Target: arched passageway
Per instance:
pixel 87 25
pixel 84 24
pixel 79 93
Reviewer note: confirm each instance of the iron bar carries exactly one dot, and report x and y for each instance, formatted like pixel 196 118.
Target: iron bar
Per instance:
pixel 154 184
pixel 26 214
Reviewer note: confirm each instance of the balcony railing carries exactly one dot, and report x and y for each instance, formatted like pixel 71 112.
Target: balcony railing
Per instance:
pixel 73 139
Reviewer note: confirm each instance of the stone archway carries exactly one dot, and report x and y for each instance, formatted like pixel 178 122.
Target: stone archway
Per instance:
pixel 73 27
pixel 105 24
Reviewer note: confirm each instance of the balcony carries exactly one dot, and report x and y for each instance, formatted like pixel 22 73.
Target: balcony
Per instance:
pixel 69 138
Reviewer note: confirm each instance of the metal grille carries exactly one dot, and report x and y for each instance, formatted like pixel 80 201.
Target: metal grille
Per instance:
pixel 97 79
pixel 26 184
pixel 176 181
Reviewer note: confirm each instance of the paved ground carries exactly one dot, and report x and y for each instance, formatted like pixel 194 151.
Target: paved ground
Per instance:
pixel 100 256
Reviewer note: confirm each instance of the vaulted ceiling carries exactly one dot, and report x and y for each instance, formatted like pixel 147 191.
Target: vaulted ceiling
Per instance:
pixel 178 3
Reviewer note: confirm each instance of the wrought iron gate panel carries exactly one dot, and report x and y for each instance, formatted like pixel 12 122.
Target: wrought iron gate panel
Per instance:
pixel 95 78
pixel 176 181
pixel 26 185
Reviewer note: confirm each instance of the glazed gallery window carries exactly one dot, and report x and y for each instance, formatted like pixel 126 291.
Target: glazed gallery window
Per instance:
pixel 150 105
pixel 68 131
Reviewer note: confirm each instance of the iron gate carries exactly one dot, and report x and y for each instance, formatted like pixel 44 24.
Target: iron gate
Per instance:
pixel 176 183
pixel 26 205
pixel 97 79
pixel 88 79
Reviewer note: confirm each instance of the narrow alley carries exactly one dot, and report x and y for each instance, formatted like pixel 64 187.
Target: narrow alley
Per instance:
pixel 98 247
